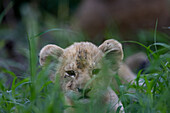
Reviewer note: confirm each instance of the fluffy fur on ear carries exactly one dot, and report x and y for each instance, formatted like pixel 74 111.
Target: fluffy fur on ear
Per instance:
pixel 113 51
pixel 50 51
pixel 112 45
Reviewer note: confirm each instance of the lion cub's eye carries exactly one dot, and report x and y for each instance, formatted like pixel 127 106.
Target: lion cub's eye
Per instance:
pixel 95 71
pixel 70 73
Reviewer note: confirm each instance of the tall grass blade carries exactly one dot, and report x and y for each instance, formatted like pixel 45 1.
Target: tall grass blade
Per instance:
pixel 10 5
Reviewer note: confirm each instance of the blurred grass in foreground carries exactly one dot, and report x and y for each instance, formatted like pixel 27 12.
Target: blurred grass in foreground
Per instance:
pixel 37 94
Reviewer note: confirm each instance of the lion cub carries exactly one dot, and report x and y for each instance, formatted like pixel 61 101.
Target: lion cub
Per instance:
pixel 76 63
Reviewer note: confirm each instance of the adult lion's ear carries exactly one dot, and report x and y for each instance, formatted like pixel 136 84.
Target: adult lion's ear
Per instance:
pixel 113 51
pixel 50 53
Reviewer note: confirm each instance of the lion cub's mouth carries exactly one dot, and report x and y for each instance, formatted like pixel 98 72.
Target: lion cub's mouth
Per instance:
pixel 84 98
pixel 81 95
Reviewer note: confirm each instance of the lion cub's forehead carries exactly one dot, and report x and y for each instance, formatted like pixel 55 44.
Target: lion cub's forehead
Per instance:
pixel 82 55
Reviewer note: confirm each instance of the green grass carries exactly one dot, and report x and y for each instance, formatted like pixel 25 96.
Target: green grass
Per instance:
pixel 37 94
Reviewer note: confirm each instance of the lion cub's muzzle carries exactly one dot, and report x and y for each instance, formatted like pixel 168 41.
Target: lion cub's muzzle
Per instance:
pixel 84 93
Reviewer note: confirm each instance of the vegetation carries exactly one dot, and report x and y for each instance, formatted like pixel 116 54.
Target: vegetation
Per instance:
pixel 36 93
pixel 31 91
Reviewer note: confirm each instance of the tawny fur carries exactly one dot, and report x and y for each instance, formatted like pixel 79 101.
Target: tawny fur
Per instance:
pixel 80 59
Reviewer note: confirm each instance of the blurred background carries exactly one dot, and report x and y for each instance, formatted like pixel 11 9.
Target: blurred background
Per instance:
pixel 64 22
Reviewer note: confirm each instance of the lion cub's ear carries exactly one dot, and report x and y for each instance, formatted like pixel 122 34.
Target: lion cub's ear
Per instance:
pixel 113 51
pixel 50 52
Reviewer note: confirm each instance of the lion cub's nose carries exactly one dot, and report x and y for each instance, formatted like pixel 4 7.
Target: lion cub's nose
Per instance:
pixel 80 90
pixel 85 90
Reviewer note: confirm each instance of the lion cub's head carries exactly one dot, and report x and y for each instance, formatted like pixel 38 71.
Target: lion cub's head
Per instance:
pixel 78 63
